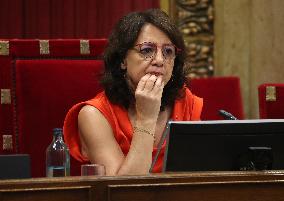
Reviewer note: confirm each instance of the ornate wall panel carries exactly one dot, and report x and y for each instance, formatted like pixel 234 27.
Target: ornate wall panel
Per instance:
pixel 195 20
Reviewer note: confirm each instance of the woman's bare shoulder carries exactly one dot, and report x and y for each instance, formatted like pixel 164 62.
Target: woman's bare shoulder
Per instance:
pixel 89 111
pixel 92 122
pixel 88 108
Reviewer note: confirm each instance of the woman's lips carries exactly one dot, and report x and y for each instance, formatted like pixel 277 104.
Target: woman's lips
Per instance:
pixel 156 73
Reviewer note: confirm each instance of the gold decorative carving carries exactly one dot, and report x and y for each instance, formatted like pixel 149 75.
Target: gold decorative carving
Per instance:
pixel 4 47
pixel 5 96
pixel 195 21
pixel 7 142
pixel 195 16
pixel 84 47
pixel 44 47
pixel 270 93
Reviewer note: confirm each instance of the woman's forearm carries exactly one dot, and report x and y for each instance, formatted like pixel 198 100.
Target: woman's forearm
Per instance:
pixel 139 158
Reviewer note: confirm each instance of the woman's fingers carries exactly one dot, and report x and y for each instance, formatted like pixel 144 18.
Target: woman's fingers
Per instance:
pixel 150 83
pixel 142 82
pixel 159 85
pixel 148 99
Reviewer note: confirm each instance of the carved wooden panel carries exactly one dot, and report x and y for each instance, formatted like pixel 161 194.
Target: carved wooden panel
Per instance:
pixel 195 20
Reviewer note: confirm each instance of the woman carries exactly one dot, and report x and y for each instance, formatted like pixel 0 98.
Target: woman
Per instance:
pixel 144 87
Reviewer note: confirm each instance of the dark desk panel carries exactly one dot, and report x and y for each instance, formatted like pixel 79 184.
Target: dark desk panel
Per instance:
pixel 205 186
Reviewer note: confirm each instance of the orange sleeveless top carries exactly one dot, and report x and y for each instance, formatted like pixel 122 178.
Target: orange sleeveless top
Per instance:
pixel 185 109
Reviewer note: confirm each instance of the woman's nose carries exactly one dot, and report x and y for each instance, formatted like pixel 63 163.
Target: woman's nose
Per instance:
pixel 159 57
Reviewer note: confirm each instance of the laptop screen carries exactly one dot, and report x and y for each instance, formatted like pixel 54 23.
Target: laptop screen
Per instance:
pixel 225 145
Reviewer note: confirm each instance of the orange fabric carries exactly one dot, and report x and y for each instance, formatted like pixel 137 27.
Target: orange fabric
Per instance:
pixel 185 109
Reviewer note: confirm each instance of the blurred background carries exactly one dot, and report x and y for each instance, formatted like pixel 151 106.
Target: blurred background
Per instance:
pixel 242 38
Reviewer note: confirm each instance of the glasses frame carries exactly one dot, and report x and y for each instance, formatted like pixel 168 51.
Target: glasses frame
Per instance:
pixel 177 50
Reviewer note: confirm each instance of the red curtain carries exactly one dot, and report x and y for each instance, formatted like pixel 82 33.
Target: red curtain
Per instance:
pixel 64 19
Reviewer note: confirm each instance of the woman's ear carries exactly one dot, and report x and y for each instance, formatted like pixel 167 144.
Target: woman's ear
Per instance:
pixel 123 65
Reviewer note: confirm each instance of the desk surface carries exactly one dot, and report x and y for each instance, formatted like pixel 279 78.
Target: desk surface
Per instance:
pixel 263 185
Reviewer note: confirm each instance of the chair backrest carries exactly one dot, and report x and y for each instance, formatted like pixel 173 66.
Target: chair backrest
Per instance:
pixel 218 93
pixel 271 100
pixel 45 86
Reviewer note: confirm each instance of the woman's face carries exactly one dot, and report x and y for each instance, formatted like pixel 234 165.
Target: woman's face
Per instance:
pixel 152 54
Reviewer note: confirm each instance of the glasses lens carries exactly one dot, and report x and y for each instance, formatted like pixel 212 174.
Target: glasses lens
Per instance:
pixel 169 51
pixel 147 50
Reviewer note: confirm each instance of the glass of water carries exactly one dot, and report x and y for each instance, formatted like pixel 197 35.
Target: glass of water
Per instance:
pixel 93 170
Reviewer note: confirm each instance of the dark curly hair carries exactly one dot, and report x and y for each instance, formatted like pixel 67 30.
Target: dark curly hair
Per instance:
pixel 123 37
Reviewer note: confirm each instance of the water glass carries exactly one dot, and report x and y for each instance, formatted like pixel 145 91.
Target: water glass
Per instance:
pixel 93 170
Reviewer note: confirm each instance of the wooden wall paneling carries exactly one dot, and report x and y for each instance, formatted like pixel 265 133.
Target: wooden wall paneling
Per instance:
pixel 267 52
pixel 249 38
pixel 232 44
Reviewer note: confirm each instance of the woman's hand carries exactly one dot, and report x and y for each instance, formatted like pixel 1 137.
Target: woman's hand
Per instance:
pixel 98 140
pixel 148 97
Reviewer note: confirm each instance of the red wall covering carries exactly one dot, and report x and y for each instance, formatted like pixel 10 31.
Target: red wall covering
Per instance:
pixel 64 19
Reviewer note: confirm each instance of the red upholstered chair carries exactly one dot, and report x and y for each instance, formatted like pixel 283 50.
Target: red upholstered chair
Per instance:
pixel 271 101
pixel 218 93
pixel 44 86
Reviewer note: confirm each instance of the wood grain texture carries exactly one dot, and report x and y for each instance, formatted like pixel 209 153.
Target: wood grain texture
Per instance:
pixel 201 186
pixel 249 38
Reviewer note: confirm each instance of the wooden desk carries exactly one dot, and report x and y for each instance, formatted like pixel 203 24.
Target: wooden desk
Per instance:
pixel 205 186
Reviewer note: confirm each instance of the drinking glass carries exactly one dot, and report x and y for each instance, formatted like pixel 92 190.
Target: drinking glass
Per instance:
pixel 93 170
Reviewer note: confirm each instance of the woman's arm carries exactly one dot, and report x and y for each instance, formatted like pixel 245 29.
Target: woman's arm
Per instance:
pixel 98 140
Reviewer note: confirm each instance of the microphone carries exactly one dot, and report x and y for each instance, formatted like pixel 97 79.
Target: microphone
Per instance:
pixel 227 115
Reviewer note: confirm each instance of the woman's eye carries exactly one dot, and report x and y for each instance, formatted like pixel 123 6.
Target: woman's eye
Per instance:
pixel 169 51
pixel 146 50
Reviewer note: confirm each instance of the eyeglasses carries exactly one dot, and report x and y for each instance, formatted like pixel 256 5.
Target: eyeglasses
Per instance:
pixel 148 50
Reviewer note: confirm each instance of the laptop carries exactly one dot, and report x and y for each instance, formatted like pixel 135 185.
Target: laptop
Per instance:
pixel 224 145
